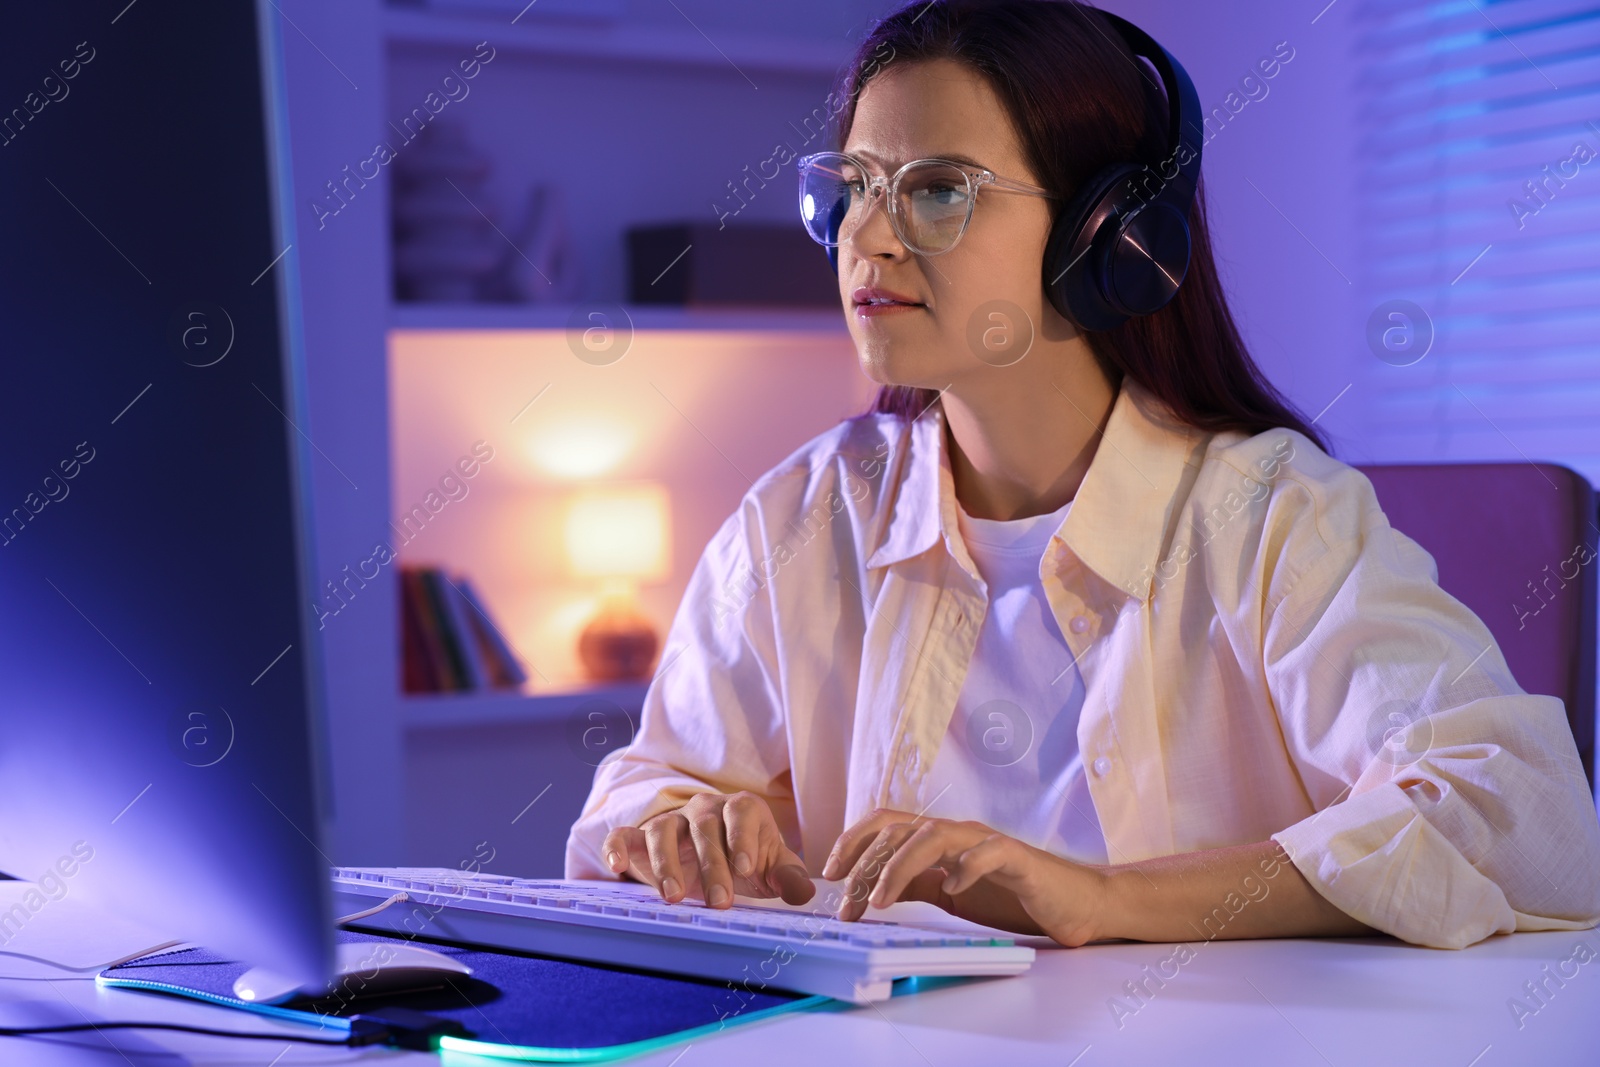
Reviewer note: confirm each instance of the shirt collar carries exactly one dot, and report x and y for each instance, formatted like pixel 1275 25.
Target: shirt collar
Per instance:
pixel 1121 514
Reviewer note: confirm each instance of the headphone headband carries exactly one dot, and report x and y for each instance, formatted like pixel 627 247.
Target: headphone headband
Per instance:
pixel 1183 109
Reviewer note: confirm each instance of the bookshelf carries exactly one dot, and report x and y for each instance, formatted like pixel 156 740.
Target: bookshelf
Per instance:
pixel 649 84
pixel 419 778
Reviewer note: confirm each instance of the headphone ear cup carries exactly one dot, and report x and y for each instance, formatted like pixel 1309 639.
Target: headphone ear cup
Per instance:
pixel 1072 268
pixel 1147 261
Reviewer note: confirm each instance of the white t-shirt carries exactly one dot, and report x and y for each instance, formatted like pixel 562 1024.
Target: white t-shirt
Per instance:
pixel 1010 758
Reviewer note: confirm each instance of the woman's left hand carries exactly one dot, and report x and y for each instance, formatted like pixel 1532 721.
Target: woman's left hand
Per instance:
pixel 970 871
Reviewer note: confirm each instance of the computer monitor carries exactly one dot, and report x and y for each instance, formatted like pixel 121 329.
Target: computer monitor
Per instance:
pixel 159 732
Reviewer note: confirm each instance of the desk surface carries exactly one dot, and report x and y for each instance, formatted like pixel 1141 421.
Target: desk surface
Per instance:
pixel 1316 1002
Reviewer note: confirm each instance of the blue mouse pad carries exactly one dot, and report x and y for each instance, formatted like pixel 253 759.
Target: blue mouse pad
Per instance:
pixel 515 1006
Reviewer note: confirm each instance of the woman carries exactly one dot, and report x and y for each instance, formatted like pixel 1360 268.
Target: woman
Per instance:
pixel 1092 639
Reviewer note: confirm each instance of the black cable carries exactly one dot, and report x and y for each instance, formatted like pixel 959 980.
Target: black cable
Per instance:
pixel 31 1031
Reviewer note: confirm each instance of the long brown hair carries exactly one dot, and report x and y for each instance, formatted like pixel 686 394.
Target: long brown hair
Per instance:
pixel 1066 79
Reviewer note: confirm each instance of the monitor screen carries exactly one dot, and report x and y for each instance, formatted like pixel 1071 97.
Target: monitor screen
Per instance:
pixel 159 743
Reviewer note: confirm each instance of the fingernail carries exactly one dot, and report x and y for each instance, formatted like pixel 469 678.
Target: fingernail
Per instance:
pixel 718 894
pixel 613 860
pixel 743 864
pixel 669 888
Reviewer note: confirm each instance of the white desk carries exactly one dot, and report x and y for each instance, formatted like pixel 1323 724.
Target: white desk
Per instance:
pixel 1317 1002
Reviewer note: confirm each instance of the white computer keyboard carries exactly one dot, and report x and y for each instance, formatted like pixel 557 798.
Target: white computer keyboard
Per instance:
pixel 627 923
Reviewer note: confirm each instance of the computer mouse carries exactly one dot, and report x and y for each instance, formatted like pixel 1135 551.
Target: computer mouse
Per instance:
pixel 362 967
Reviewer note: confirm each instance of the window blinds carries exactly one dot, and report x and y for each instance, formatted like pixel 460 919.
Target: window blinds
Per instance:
pixel 1479 171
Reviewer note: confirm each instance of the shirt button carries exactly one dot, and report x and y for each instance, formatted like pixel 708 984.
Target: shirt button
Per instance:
pixel 1102 767
pixel 1079 624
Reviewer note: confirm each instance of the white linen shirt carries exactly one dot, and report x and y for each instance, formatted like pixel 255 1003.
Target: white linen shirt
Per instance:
pixel 1263 655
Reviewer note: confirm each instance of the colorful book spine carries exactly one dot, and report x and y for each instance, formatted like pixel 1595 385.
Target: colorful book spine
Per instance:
pixel 494 670
pixel 498 651
pixel 417 675
pixel 456 668
pixel 475 671
pixel 432 668
pixel 448 642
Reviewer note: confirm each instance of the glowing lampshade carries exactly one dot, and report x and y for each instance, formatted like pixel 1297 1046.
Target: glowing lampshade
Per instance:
pixel 620 532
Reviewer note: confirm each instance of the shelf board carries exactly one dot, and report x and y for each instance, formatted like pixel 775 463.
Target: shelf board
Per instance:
pixel 448 711
pixel 643 317
pixel 623 42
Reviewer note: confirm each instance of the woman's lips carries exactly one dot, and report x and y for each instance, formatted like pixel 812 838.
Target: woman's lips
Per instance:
pixel 873 311
pixel 872 301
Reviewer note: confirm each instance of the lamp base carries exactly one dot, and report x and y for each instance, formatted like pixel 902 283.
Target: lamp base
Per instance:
pixel 619 644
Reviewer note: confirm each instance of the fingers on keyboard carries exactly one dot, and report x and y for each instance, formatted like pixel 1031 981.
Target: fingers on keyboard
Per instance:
pixel 711 853
pixel 790 881
pixel 618 847
pixel 749 825
pixel 663 836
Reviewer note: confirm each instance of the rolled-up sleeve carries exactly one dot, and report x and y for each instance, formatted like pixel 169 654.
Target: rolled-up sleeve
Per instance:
pixel 1450 804
pixel 712 718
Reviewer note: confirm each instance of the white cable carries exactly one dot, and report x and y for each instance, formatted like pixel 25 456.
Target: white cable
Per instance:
pixel 120 960
pixel 398 898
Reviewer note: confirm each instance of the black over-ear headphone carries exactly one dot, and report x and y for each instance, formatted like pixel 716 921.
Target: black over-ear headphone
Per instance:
pixel 1121 246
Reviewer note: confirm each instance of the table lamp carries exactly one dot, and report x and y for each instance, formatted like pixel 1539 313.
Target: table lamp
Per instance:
pixel 619 536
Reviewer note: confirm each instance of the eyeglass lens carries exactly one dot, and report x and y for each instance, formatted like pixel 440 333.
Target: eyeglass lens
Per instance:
pixel 933 202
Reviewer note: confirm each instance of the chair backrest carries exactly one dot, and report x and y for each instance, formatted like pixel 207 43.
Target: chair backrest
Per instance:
pixel 1516 543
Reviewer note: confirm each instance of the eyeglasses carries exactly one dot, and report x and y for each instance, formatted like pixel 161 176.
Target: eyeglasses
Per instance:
pixel 930 200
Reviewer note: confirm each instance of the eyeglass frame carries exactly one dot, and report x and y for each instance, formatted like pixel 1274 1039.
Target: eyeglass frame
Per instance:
pixel 978 179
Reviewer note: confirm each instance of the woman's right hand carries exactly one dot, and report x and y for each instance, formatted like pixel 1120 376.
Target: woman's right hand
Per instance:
pixel 714 846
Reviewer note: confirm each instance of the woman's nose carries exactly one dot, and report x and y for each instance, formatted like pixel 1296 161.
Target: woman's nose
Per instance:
pixel 874 232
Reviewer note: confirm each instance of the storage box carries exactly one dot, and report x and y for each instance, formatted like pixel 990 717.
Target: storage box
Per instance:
pixel 693 264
